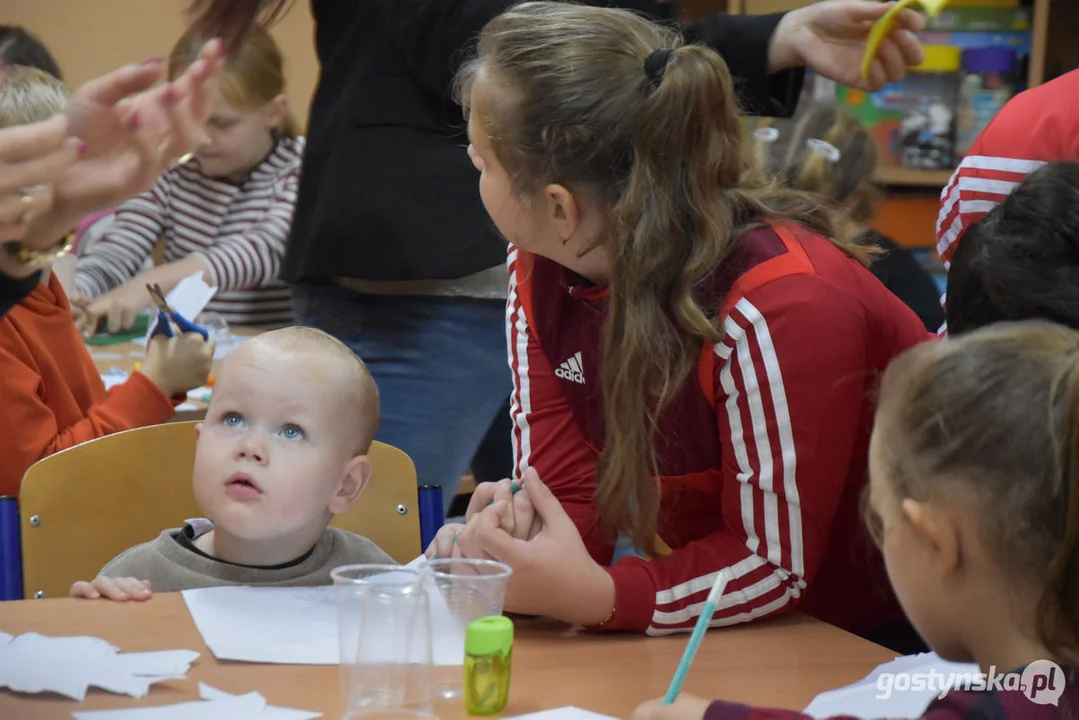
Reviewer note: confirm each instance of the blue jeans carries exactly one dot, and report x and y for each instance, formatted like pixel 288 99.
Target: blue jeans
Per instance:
pixel 440 364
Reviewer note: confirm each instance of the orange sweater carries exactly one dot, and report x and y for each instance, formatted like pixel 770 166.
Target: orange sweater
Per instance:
pixel 51 395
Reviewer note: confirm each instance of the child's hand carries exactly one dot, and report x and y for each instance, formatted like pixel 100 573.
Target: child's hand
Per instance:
pixel 179 363
pixel 117 309
pixel 445 538
pixel 119 589
pixel 79 303
pixel 685 707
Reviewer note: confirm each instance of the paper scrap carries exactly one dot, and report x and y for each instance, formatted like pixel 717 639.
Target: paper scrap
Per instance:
pixel 563 713
pixel 188 298
pixel 214 705
pixel 294 626
pixel 878 694
pixel 34 663
pixel 270 713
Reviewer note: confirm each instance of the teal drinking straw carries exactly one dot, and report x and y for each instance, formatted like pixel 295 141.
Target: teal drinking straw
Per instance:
pixel 695 639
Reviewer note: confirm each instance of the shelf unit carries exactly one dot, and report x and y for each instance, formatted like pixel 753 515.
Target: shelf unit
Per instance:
pixel 895 176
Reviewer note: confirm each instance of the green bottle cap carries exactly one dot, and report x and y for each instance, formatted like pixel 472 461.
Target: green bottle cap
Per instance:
pixel 489 635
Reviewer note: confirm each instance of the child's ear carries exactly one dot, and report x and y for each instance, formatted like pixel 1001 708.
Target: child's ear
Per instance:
pixel 277 111
pixel 563 210
pixel 938 534
pixel 357 474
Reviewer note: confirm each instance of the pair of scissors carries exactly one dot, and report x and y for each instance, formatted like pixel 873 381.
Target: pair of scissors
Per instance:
pixel 166 316
pixel 886 24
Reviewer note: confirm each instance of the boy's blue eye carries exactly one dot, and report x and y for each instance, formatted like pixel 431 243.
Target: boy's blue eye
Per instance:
pixel 232 419
pixel 292 432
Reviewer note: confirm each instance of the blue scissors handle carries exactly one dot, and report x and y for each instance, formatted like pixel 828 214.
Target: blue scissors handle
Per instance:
pixel 162 326
pixel 166 316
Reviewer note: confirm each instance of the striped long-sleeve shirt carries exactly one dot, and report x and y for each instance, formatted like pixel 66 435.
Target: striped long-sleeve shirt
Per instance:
pixel 762 454
pixel 239 229
pixel 1037 126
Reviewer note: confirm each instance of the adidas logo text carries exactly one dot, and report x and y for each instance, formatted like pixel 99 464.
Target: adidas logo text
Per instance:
pixel 571 370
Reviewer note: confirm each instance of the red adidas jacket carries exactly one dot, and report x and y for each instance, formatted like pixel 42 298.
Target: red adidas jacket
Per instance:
pixel 1036 127
pixel 763 455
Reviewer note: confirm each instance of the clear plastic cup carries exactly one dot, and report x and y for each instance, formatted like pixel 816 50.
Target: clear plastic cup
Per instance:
pixel 384 628
pixel 467 590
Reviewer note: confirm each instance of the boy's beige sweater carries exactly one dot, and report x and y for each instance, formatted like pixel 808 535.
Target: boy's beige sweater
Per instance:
pixel 171 567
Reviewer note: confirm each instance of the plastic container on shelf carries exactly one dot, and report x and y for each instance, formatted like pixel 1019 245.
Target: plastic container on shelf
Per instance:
pixel 926 136
pixel 988 83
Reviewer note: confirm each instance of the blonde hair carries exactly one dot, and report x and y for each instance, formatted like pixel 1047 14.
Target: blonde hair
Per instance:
pixel 254 72
pixel 844 180
pixel 995 414
pixel 359 391
pixel 29 95
pixel 567 99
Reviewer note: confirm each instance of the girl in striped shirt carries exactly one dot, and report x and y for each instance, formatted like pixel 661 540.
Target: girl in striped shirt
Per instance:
pixel 226 212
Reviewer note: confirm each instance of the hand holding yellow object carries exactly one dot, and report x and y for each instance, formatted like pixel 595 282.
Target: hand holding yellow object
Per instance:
pixel 886 24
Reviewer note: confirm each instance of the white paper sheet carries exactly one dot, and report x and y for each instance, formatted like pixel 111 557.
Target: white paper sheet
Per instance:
pixel 883 693
pixel 188 298
pixel 33 663
pixel 563 713
pixel 215 705
pixel 294 626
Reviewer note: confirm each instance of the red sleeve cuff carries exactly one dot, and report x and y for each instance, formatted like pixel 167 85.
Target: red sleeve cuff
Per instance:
pixel 634 596
pixel 720 710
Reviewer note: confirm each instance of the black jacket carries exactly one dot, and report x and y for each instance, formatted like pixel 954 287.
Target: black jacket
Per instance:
pixel 12 291
pixel 901 273
pixel 387 191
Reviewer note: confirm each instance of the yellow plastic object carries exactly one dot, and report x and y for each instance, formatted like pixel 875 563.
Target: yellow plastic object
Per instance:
pixel 881 28
pixel 488 662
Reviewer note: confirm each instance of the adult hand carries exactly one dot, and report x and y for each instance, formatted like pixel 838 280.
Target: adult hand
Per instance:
pixel 519 518
pixel 685 707
pixel 133 133
pixel 830 38
pixel 32 157
pixel 553 574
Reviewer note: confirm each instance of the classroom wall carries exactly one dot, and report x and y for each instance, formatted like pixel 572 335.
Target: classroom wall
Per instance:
pixel 91 37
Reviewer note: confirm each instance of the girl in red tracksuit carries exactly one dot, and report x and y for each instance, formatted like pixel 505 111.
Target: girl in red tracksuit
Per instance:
pixel 695 356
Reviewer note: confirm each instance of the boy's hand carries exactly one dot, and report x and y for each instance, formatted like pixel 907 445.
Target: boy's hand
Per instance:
pixel 685 707
pixel 119 589
pixel 179 363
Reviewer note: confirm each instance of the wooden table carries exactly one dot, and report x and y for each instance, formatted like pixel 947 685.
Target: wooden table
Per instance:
pixel 780 663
